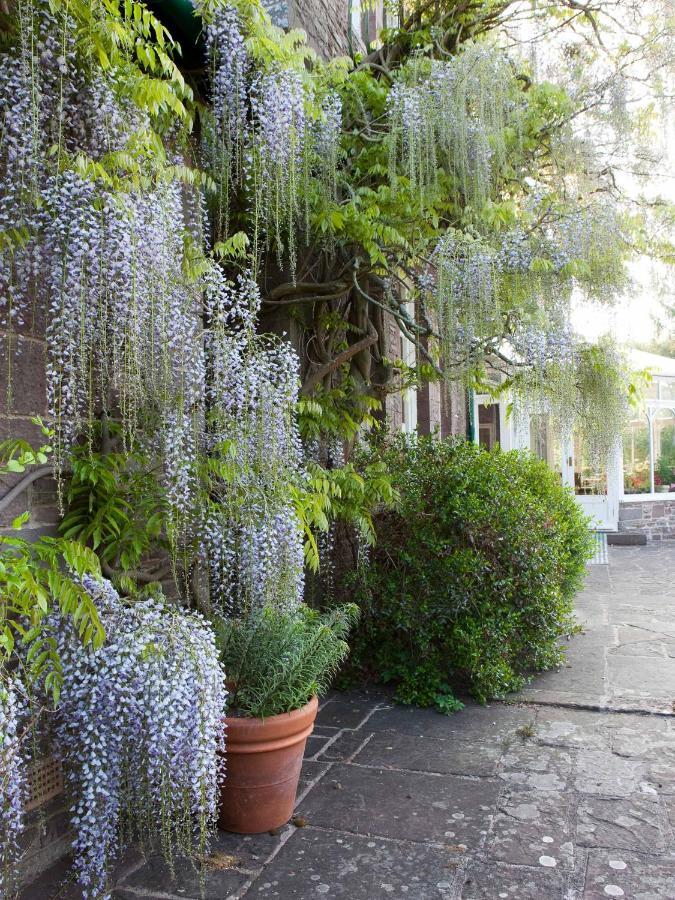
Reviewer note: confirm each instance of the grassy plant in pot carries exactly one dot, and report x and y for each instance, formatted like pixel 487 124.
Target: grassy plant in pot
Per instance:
pixel 279 663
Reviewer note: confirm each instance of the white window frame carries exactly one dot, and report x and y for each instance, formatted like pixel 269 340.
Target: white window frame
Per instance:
pixel 409 395
pixel 652 406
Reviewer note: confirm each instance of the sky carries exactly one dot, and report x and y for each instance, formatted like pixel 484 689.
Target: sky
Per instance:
pixel 633 318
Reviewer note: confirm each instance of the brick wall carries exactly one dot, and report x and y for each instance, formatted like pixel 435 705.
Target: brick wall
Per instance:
pixel 22 396
pixel 655 518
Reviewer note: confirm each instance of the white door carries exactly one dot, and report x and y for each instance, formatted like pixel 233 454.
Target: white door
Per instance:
pixel 596 487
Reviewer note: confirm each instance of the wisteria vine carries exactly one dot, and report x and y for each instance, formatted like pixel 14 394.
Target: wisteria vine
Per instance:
pixel 14 753
pixel 252 539
pixel 139 727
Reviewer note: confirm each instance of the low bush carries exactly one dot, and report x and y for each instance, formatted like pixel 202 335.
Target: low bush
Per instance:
pixel 471 582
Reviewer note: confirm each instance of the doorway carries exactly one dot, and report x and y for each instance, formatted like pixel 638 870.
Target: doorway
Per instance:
pixel 596 487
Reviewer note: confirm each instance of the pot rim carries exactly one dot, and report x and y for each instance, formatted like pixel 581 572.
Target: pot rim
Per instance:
pixel 291 726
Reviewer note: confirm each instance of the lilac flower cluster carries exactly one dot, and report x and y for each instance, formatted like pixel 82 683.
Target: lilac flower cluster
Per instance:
pixel 13 786
pixel 139 726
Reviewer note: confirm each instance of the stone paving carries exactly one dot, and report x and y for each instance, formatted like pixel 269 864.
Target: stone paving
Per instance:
pixel 567 792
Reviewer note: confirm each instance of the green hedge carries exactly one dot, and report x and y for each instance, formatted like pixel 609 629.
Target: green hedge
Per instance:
pixel 471 582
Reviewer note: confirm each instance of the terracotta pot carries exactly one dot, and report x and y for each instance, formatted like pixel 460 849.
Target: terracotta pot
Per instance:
pixel 263 762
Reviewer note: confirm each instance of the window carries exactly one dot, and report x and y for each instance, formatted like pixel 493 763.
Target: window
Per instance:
pixel 649 444
pixel 488 425
pixel 590 478
pixel 663 424
pixel 544 443
pixel 636 477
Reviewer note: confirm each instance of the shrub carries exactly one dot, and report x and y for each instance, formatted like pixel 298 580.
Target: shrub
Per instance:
pixel 471 582
pixel 278 660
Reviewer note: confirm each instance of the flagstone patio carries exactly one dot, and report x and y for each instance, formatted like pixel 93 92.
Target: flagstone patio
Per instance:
pixel 566 792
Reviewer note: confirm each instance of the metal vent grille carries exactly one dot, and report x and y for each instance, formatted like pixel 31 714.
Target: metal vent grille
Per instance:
pixel 45 781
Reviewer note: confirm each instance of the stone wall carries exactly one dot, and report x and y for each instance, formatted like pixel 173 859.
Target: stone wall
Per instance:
pixel 655 518
pixel 46 838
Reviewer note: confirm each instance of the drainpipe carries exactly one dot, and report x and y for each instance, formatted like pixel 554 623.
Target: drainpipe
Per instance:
pixel 471 421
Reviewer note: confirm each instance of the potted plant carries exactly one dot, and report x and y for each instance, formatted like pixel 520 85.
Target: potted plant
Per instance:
pixel 278 663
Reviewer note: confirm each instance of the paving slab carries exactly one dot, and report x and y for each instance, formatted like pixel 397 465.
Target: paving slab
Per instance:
pixel 317 864
pixel 612 874
pixel 346 710
pixel 531 825
pixel 403 805
pixel 473 723
pixel 531 765
pixel 565 792
pixel 574 728
pixel 454 756
pixel 639 823
pixel 492 880
pixel 656 677
pixel 609 775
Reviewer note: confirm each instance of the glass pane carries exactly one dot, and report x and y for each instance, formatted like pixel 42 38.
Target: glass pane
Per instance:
pixel 636 456
pixel 664 450
pixel 544 444
pixel 488 425
pixel 666 388
pixel 589 478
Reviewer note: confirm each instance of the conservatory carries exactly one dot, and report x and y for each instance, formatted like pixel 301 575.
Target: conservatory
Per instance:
pixel 635 490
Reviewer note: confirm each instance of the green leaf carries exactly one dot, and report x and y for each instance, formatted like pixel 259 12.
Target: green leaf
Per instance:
pixel 20 521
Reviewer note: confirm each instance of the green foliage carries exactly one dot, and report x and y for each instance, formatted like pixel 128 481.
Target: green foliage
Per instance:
pixel 472 577
pixel 37 579
pixel 339 412
pixel 116 506
pixel 340 494
pixel 277 661
pixel 590 395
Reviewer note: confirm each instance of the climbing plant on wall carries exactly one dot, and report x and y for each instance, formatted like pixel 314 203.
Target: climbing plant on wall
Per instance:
pixel 458 181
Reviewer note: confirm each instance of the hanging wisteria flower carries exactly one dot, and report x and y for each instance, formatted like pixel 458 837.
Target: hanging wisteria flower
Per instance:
pixel 226 127
pixel 123 314
pixel 13 785
pixel 139 727
pixel 466 298
pixel 252 541
pixel 454 114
